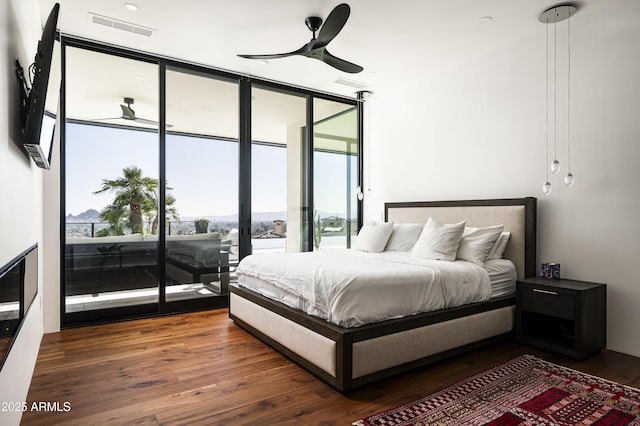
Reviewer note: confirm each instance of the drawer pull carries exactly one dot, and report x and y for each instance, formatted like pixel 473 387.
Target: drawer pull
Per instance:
pixel 537 290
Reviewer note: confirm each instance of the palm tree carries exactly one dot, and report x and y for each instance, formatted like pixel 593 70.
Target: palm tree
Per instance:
pixel 317 230
pixel 170 210
pixel 113 215
pixel 132 192
pixel 150 210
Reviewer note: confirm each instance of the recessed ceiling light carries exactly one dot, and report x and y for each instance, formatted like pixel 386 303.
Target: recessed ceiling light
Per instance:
pixel 485 19
pixel 264 62
pixel 131 6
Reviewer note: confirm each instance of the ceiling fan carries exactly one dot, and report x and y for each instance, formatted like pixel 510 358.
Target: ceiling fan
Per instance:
pixel 129 114
pixel 316 48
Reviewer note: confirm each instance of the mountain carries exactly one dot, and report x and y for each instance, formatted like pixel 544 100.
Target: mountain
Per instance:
pixel 90 215
pixel 256 217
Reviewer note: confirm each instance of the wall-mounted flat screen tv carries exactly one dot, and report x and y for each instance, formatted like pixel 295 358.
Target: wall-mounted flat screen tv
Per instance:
pixel 42 103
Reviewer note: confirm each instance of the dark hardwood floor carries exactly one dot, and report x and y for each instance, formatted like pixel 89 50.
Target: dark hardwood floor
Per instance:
pixel 201 368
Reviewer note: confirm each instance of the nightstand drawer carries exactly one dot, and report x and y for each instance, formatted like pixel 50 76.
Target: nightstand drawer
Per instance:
pixel 548 302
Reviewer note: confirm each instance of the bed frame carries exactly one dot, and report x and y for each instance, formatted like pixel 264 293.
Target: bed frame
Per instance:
pixel 346 358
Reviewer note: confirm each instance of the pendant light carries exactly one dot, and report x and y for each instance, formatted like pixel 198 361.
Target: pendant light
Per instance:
pixel 568 179
pixel 546 188
pixel 553 16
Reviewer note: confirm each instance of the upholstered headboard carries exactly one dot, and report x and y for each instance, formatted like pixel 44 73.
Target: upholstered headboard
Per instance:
pixel 518 215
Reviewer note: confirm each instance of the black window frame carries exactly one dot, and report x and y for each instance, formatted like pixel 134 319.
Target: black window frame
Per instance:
pixel 68 320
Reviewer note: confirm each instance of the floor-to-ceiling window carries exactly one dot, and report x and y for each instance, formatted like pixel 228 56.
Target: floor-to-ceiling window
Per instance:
pixel 111 182
pixel 278 121
pixel 202 172
pixel 335 174
pixel 159 160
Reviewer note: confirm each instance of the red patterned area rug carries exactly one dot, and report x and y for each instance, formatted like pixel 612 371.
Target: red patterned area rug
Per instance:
pixel 524 391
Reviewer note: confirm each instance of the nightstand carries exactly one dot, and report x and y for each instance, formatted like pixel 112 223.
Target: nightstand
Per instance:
pixel 567 317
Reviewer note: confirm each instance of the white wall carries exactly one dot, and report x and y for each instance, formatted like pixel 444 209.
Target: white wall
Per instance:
pixel 21 195
pixel 478 131
pixel 51 240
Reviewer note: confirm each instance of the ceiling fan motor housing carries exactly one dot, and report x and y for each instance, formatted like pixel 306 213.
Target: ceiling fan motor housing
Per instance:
pixel 313 23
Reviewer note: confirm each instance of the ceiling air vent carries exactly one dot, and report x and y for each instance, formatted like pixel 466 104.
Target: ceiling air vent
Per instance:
pixel 121 25
pixel 351 83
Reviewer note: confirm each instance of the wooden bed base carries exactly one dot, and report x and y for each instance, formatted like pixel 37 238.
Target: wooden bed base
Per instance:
pixel 346 358
pixel 343 339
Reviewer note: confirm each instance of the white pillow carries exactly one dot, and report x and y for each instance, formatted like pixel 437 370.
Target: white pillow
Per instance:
pixel 438 242
pixel 498 248
pixel 476 243
pixel 404 236
pixel 373 238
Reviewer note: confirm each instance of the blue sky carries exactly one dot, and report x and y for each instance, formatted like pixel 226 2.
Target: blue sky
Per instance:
pixel 202 172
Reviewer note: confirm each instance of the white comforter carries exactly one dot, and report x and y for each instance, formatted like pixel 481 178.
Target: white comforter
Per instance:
pixel 351 288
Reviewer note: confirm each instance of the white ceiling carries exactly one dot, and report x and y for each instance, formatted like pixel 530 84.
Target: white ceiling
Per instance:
pixel 394 41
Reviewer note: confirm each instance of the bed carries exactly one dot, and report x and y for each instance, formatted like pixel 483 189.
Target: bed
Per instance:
pixel 348 357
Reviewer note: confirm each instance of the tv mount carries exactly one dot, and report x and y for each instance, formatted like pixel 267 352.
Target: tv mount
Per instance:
pixel 24 93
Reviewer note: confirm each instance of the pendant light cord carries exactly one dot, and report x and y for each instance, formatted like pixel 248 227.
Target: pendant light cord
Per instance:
pixel 555 89
pixel 569 94
pixel 546 163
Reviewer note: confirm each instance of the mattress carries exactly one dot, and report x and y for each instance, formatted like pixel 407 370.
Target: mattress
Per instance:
pixel 502 274
pixel 351 288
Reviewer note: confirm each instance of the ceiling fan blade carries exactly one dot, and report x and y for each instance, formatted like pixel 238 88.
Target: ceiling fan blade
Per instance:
pixel 138 120
pixel 341 64
pixel 332 25
pixel 276 55
pixel 105 118
pixel 146 121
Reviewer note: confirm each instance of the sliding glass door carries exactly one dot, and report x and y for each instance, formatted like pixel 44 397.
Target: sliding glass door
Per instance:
pixel 278 167
pixel 335 174
pixel 172 173
pixel 202 170
pixel 111 184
